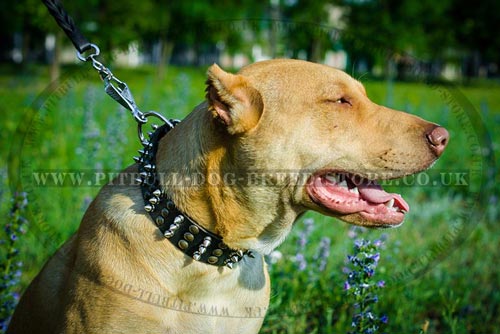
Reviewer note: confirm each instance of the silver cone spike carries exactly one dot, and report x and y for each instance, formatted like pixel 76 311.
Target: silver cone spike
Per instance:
pixel 153 200
pixel 157 192
pixel 179 219
pixel 149 207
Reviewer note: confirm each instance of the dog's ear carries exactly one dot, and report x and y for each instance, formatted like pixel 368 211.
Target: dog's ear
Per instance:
pixel 233 101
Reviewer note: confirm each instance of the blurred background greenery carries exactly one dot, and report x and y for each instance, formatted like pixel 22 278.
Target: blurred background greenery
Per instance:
pixel 438 60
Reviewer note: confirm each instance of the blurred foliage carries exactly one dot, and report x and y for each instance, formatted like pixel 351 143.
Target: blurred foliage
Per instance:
pixel 449 30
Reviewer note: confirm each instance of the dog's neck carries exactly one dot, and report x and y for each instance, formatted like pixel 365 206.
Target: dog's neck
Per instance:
pixel 195 161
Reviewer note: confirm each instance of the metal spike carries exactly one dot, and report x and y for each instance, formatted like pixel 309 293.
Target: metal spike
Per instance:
pixel 230 265
pixel 153 200
pixel 143 175
pixel 250 254
pixel 206 242
pixel 139 180
pixel 173 227
pixel 168 234
pixel 154 126
pixel 149 207
pixel 138 159
pixel 149 167
pixel 234 258
pixel 147 144
pixel 141 151
pixel 157 192
pixel 179 219
pixel 196 256
pixel 239 252
pixel 150 134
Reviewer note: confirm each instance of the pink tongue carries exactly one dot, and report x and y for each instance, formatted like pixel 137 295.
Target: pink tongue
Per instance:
pixel 374 193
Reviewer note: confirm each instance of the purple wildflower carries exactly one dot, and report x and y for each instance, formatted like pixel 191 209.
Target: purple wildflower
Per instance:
pixel 11 268
pixel 361 288
pixel 301 261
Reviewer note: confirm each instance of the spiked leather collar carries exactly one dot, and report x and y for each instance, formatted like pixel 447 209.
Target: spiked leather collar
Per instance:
pixel 189 237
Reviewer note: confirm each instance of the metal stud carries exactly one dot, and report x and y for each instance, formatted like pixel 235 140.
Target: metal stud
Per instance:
pixel 157 192
pixel 188 236
pixel 217 252
pixel 222 245
pixel 213 259
pixel 170 205
pixel 149 207
pixel 183 244
pixel 164 212
pixel 179 219
pixel 159 220
pixel 194 229
pixel 196 256
pixel 168 234
pixel 153 200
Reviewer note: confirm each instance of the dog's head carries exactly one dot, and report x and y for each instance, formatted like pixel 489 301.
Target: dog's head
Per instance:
pixel 318 124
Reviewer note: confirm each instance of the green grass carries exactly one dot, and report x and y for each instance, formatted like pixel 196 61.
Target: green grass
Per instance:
pixel 440 266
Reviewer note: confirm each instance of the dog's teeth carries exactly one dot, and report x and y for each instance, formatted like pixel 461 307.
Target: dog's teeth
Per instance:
pixel 332 178
pixel 354 190
pixel 390 204
pixel 343 184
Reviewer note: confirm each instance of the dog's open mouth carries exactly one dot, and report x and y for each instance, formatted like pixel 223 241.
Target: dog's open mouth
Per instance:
pixel 346 194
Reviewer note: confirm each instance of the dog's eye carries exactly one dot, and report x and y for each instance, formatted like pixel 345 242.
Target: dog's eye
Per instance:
pixel 342 101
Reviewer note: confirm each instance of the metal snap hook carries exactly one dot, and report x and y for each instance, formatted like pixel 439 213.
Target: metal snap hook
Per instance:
pixel 96 51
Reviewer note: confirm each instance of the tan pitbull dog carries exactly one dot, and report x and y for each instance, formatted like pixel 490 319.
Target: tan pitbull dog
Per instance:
pixel 311 123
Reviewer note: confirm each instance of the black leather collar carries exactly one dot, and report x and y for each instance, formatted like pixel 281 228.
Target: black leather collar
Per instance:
pixel 191 238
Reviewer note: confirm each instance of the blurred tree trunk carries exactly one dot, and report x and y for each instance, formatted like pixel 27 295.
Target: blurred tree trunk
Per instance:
pixel 166 49
pixel 316 51
pixel 55 61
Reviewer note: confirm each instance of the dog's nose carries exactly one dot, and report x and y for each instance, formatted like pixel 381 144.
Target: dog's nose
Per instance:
pixel 438 139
